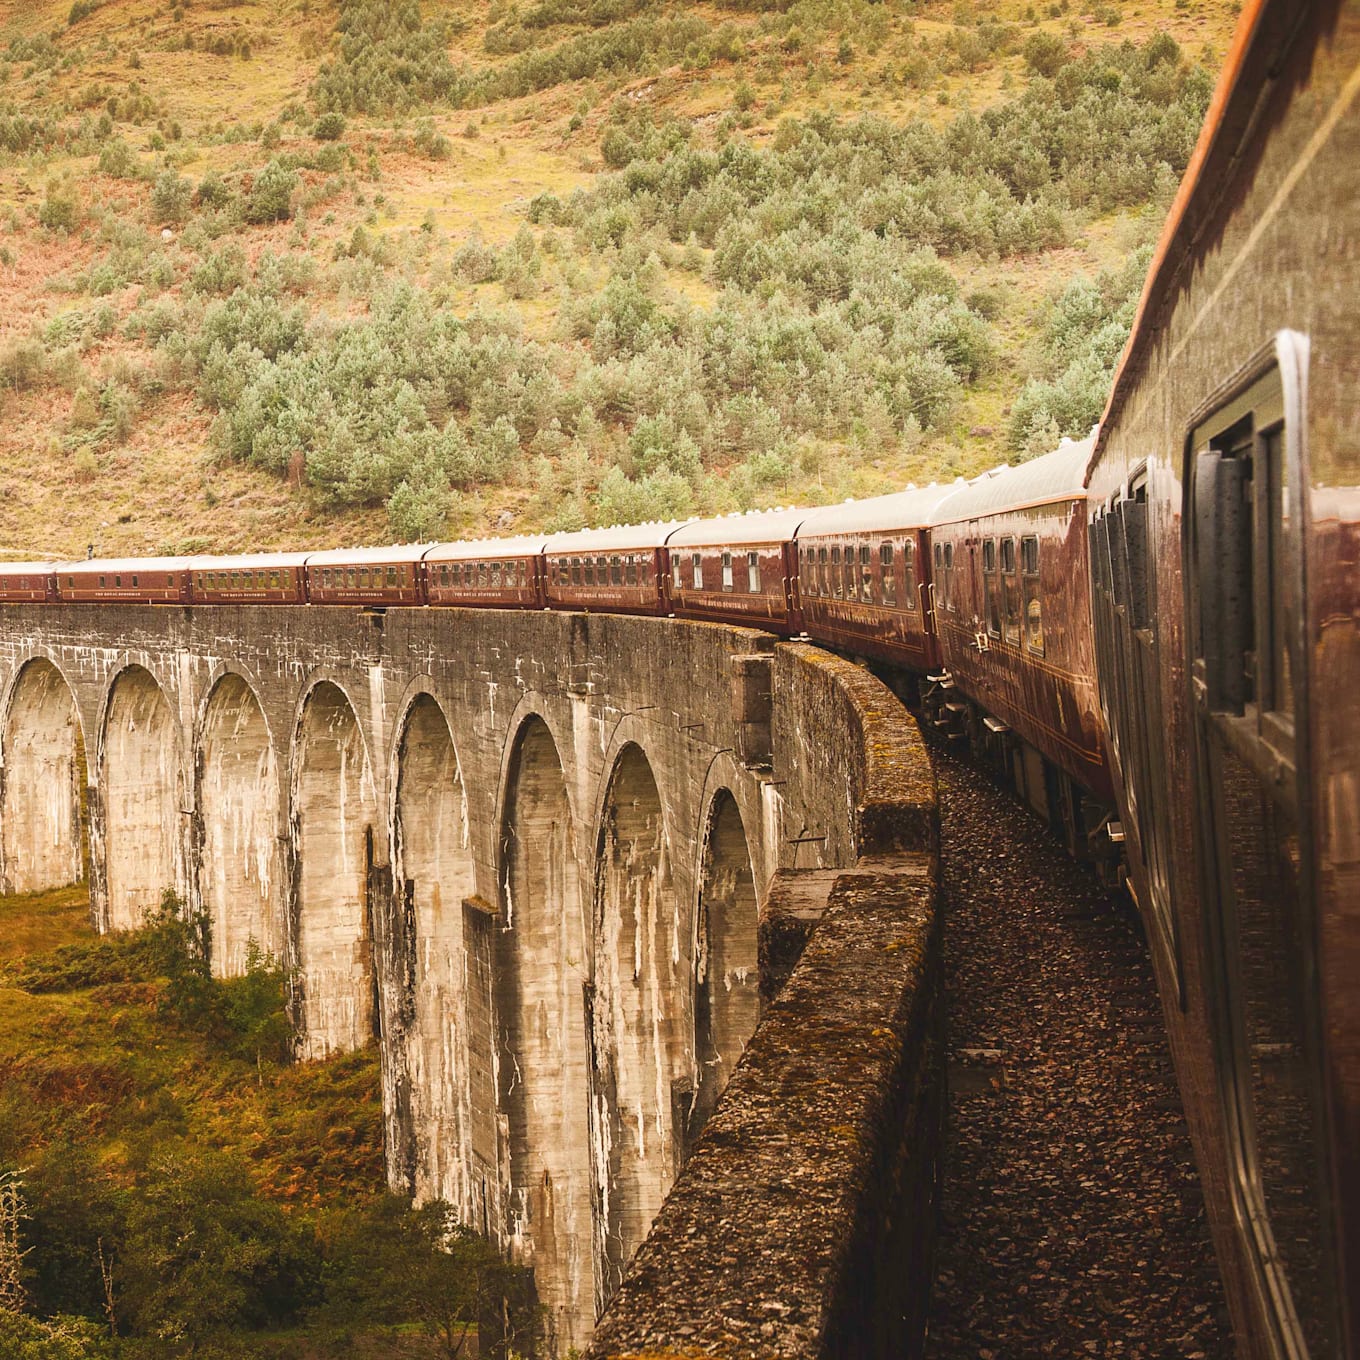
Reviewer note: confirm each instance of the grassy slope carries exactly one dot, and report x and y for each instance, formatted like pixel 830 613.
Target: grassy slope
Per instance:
pixel 161 486
pixel 104 1068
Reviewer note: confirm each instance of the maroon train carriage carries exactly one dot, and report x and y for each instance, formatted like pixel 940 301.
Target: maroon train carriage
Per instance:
pixel 506 573
pixel 737 569
pixel 375 577
pixel 132 580
pixel 27 583
pixel 864 576
pixel 1013 618
pixel 264 578
pixel 619 570
pixel 1225 498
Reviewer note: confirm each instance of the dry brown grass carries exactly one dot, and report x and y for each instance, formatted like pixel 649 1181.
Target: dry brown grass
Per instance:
pixel 163 488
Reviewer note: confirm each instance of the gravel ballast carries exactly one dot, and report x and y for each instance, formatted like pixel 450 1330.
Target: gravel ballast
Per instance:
pixel 1072 1222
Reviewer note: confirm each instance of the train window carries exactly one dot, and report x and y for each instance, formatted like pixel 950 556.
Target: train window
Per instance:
pixel 589 569
pixel 1136 555
pixel 601 571
pixel 363 578
pixel 134 580
pixel 727 571
pixel 991 587
pixel 851 584
pixel 70 583
pixel 697 562
pixel 836 571
pixel 887 573
pixel 631 575
pixel 392 579
pixel 521 573
pixel 677 573
pixel 948 577
pixel 866 577
pixel 752 571
pixel 576 571
pixel 117 580
pixel 909 574
pixel 989 555
pixel 1008 555
pixel 274 580
pixel 822 588
pixel 494 575
pixel 616 571
pixel 1034 609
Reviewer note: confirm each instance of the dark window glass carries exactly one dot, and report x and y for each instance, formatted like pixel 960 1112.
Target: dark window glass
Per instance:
pixel 989 554
pixel 616 571
pixel 1029 555
pixel 698 564
pixel 632 575
pixel 727 571
pixel 888 573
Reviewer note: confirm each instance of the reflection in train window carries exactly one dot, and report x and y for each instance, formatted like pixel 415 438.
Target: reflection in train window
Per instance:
pixel 727 571
pixel 752 571
pixel 677 573
pixel 697 562
pixel 989 554
pixel 1034 621
pixel 947 584
pixel 616 571
pixel 885 563
pixel 821 572
pixel 632 573
pixel 850 583
pixel 836 572
pixel 866 577
pixel 909 574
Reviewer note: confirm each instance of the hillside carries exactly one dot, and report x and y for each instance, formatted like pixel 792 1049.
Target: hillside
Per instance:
pixel 180 1187
pixel 304 274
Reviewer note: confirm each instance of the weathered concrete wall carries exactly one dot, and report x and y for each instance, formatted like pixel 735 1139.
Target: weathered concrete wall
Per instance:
pixel 802 1224
pixel 525 850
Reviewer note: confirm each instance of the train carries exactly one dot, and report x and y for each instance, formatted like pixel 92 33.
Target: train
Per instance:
pixel 1155 630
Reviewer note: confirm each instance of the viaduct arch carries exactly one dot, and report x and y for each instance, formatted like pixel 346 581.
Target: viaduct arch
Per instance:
pixel 526 854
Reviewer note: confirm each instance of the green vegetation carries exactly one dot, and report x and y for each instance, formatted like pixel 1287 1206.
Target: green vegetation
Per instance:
pixel 171 1185
pixel 559 262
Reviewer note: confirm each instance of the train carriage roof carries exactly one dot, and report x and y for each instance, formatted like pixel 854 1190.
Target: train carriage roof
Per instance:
pixel 617 538
pixel 357 557
pixel 910 508
pixel 524 545
pixel 1056 476
pixel 27 568
pixel 249 561
pixel 93 565
pixel 757 526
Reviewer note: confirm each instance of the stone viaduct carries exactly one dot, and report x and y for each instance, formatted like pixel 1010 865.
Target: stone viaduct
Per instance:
pixel 535 855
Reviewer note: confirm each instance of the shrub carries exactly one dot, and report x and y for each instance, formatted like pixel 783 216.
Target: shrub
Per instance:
pixel 1045 53
pixel 170 197
pixel 118 159
pixel 271 196
pixel 329 127
pixel 60 210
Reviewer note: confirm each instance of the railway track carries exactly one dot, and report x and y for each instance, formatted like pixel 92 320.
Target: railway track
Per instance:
pixel 1072 1221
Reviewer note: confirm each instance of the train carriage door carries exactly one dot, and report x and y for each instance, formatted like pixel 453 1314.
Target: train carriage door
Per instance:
pixel 1245 591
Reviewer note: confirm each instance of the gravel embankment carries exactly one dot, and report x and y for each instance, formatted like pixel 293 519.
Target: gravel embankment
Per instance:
pixel 1072 1222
